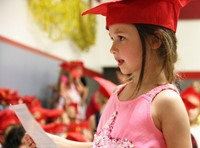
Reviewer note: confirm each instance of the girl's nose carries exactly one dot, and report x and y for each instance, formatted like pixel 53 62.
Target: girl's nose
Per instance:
pixel 113 49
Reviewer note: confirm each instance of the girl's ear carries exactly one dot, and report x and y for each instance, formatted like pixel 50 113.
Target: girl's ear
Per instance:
pixel 155 40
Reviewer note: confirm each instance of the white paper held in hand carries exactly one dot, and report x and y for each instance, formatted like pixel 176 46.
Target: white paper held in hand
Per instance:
pixel 32 127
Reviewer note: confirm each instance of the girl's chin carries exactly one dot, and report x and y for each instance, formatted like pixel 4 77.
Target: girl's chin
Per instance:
pixel 123 71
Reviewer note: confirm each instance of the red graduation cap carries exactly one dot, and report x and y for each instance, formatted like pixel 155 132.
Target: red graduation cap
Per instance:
pixel 41 113
pixel 106 86
pixel 50 127
pixel 65 66
pixel 77 64
pixel 31 101
pixel 189 105
pixel 55 128
pixel 190 91
pixel 7 117
pixel 75 67
pixel 5 92
pixel 71 65
pixel 74 127
pixel 156 12
pixel 12 100
pixel 54 113
pixel 186 94
pixel 9 96
pixel 75 136
pixel 92 107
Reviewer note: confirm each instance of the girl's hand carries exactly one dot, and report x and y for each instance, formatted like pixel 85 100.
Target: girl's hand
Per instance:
pixel 28 141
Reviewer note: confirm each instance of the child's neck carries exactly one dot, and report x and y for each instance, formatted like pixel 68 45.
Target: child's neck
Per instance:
pixel 148 83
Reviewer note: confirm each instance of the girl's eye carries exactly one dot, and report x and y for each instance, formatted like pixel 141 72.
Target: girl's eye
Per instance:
pixel 121 38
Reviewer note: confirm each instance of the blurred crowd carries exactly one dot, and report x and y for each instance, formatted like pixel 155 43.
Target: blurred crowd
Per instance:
pixel 71 114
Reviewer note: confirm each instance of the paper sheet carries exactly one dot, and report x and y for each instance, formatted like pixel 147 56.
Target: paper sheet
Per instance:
pixel 32 127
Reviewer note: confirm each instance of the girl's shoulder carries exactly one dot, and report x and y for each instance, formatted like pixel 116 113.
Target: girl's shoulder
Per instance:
pixel 169 102
pixel 163 90
pixel 166 94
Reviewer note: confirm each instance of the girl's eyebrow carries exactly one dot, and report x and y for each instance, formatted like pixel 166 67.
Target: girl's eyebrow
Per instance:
pixel 116 32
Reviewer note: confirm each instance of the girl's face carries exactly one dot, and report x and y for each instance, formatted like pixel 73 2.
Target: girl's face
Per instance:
pixel 126 47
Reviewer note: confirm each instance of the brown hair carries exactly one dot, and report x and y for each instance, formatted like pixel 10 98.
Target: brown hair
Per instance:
pixel 167 50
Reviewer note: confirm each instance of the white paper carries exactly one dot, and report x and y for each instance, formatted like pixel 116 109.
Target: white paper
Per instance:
pixel 32 127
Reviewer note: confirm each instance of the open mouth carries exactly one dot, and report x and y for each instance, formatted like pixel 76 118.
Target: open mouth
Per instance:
pixel 120 62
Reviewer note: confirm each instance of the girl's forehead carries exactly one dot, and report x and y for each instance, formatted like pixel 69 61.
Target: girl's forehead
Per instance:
pixel 118 28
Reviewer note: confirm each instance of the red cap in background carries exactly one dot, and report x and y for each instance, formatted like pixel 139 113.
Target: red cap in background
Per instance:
pixel 9 96
pixel 31 101
pixel 106 86
pixel 53 113
pixel 190 91
pixel 55 128
pixel 92 107
pixel 75 137
pixel 7 117
pixel 188 96
pixel 189 105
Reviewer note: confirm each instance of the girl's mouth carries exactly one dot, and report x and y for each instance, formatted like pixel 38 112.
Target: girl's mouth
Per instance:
pixel 120 62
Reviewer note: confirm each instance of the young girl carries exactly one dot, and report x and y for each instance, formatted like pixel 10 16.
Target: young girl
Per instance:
pixel 147 111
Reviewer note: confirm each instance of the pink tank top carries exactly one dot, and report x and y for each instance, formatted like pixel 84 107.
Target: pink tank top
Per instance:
pixel 127 124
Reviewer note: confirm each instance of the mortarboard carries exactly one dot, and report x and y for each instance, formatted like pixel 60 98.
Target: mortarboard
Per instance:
pixel 189 105
pixel 7 117
pixel 41 113
pixel 92 107
pixel 9 96
pixel 75 136
pixel 55 128
pixel 106 86
pixel 190 91
pixel 187 94
pixel 156 12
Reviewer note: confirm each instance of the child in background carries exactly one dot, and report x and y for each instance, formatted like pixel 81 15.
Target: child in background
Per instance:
pixel 191 98
pixel 14 136
pixel 100 99
pixel 67 91
pixel 81 85
pixel 102 94
pixel 147 111
pixel 193 114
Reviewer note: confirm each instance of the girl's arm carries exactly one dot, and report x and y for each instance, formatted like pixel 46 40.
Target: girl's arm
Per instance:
pixel 64 143
pixel 172 117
